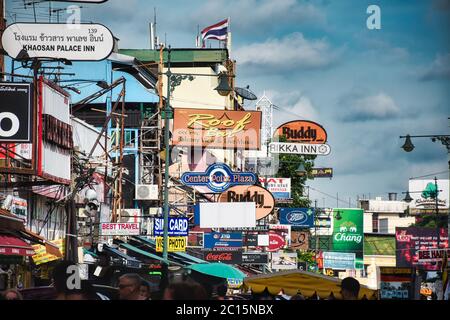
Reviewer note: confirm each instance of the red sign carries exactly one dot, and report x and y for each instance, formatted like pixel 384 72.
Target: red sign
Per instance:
pixel 276 241
pixel 231 257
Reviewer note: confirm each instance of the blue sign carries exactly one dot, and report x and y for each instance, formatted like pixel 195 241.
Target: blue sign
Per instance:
pixel 339 260
pixel 299 217
pixel 217 240
pixel 218 178
pixel 177 227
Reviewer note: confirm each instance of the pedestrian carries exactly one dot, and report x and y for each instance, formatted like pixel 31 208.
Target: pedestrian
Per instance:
pixel 145 290
pixel 85 292
pixel 350 288
pixel 221 292
pixel 187 290
pixel 12 294
pixel 130 286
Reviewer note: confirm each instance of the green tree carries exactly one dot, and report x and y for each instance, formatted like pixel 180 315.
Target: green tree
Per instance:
pixel 289 163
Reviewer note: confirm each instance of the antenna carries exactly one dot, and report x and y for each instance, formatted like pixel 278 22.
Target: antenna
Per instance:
pixel 155 43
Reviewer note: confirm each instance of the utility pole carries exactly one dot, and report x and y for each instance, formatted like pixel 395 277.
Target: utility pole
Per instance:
pixel 166 164
pixel 2 28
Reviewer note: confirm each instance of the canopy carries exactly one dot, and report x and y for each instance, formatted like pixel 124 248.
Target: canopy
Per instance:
pixel 218 269
pixel 14 246
pixel 306 283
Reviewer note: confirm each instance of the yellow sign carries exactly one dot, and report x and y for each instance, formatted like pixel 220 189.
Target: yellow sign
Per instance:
pixel 176 244
pixel 42 256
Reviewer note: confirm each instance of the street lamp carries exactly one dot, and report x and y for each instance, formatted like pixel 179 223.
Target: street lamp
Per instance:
pixel 301 170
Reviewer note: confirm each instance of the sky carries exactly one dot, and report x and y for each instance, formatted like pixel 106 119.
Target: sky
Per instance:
pixel 317 60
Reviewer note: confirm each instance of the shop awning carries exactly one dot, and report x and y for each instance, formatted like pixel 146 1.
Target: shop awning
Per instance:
pixel 306 283
pixel 127 260
pixel 145 253
pixel 14 246
pixel 218 269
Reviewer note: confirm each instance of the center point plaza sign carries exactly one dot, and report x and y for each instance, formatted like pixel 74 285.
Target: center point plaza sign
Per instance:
pixel 224 129
pixel 76 42
pixel 218 177
pixel 263 199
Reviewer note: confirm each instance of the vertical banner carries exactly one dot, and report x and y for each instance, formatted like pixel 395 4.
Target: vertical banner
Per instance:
pixel 348 233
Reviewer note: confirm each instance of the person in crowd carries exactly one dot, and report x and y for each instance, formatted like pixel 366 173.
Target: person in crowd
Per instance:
pixel 221 292
pixel 86 292
pixel 297 296
pixel 350 288
pixel 12 294
pixel 265 295
pixel 145 290
pixel 130 287
pixel 186 290
pixel 59 279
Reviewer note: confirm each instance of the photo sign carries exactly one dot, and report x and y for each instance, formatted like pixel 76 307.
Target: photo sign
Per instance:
pixel 224 129
pixel 76 42
pixel 175 244
pixel 16 112
pixel 218 177
pixel 262 198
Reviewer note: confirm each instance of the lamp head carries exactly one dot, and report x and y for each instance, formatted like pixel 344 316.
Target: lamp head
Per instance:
pixel 223 88
pixel 408 198
pixel 301 170
pixel 408 146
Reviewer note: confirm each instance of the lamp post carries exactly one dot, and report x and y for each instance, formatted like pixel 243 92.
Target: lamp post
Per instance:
pixel 445 140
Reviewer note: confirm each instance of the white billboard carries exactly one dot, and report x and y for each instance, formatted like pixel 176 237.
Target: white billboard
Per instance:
pixel 78 42
pixel 421 199
pixel 227 214
pixel 279 187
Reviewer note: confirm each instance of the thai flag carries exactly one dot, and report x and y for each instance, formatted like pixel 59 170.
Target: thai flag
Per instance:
pixel 217 31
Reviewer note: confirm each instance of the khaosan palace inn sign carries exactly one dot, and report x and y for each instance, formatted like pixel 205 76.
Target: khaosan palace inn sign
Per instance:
pixel 218 178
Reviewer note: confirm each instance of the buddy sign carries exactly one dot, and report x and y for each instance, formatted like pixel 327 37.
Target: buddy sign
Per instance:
pixel 302 131
pixel 76 42
pixel 348 234
pixel 262 198
pixel 223 129
pixel 218 178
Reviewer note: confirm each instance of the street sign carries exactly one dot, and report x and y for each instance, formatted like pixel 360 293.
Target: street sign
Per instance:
pixel 76 42
pixel 218 177
pixel 300 148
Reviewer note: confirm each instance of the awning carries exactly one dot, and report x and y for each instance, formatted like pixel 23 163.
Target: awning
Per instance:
pixel 306 283
pixel 127 260
pixel 218 269
pixel 14 246
pixel 42 251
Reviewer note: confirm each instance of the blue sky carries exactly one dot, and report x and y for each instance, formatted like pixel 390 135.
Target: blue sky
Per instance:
pixel 318 60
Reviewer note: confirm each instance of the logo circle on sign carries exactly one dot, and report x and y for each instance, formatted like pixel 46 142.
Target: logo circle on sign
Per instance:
pixel 296 217
pixel 223 175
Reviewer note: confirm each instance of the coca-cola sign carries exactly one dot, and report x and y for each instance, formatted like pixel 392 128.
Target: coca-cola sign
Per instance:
pixel 230 257
pixel 276 241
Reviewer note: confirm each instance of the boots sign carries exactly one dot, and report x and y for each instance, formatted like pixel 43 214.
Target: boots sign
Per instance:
pixel 77 42
pixel 263 199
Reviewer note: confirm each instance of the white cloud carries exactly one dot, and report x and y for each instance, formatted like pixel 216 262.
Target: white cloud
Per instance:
pixel 439 69
pixel 293 51
pixel 374 107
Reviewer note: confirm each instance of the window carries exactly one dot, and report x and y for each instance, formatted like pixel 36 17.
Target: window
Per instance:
pixel 383 226
pixel 375 222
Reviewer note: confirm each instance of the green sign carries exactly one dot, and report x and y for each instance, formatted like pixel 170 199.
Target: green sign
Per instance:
pixel 430 191
pixel 348 233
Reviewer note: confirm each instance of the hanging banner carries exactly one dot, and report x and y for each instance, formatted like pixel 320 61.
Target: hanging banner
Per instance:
pixel 412 239
pixel 224 129
pixel 176 244
pixel 302 131
pixel 299 240
pixel 218 177
pixel 279 187
pixel 222 241
pixel 178 226
pixel 298 217
pixel 42 256
pixel 396 283
pixel 348 233
pixel 263 199
pixel 74 42
pixel 16 112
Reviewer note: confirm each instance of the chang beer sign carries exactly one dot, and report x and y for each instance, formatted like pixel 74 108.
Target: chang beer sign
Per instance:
pixel 348 233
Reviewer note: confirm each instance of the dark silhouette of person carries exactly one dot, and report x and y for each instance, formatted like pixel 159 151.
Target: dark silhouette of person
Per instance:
pixel 187 290
pixel 350 288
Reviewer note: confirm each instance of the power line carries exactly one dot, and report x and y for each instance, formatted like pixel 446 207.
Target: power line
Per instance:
pixel 430 175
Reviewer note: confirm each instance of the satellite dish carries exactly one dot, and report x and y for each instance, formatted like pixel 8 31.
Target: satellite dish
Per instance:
pixel 245 93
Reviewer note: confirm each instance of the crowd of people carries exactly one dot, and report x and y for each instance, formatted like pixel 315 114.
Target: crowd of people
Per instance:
pixel 132 286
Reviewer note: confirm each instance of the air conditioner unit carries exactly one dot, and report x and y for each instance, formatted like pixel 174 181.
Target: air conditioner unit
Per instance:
pixel 130 216
pixel 147 192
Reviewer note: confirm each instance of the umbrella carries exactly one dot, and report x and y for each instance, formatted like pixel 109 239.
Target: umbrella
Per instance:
pixel 218 269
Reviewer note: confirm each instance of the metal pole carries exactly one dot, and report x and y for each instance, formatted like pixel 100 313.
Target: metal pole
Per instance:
pixel 166 164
